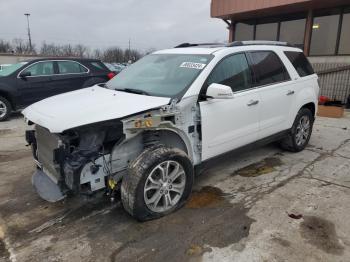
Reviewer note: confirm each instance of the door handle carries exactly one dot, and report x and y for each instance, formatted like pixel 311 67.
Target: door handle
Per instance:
pixel 253 102
pixel 290 92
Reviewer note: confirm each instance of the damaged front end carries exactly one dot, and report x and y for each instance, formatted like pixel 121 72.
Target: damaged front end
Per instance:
pixel 74 162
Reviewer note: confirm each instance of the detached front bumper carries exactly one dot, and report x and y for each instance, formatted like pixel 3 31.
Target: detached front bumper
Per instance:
pixel 46 188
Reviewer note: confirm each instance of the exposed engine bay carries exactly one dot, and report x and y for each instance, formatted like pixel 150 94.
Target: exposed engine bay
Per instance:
pixel 90 158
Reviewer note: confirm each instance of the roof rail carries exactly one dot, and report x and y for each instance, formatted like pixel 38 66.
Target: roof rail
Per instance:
pixel 256 42
pixel 184 45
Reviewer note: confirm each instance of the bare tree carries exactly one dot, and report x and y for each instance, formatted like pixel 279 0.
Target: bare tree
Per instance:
pixel 113 54
pixel 131 55
pixel 80 50
pixel 5 47
pixel 21 46
pixel 50 49
pixel 67 50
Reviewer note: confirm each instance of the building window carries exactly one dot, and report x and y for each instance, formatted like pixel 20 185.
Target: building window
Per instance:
pixel 324 34
pixel 293 32
pixel 244 32
pixel 266 31
pixel 344 44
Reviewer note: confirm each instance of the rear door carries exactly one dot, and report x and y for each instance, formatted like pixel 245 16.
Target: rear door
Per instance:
pixel 70 76
pixel 228 124
pixel 276 91
pixel 36 86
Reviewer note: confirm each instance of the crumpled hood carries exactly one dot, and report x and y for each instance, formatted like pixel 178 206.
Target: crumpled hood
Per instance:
pixel 88 106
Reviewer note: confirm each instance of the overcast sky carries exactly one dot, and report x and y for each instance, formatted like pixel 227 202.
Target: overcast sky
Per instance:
pixel 102 23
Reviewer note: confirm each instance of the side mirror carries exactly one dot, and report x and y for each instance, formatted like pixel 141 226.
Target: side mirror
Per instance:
pixel 218 91
pixel 25 74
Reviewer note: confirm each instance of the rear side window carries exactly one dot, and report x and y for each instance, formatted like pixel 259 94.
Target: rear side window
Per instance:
pixel 70 67
pixel 268 68
pixel 300 63
pixel 233 71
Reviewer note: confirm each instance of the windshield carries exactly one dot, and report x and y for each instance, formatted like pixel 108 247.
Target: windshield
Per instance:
pixel 10 69
pixel 165 75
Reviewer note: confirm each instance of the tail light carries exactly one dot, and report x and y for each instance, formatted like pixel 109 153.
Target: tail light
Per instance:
pixel 111 75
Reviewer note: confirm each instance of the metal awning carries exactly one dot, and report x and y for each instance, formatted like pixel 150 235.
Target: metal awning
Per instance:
pixel 251 9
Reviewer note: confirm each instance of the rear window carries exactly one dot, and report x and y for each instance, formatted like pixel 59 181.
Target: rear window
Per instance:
pixel 268 68
pixel 98 66
pixel 300 63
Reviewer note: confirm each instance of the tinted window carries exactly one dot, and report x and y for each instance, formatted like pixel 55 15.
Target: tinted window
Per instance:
pixel 98 66
pixel 266 31
pixel 233 71
pixel 300 63
pixel 70 67
pixel 40 69
pixel 268 68
pixel 344 46
pixel 293 32
pixel 324 35
pixel 244 32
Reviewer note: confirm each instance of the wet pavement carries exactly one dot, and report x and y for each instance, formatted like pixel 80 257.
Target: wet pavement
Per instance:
pixel 264 205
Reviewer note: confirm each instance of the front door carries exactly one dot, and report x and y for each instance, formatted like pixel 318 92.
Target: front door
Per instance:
pixel 232 123
pixel 36 85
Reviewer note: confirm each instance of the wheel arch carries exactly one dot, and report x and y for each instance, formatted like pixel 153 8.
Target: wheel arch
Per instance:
pixel 175 138
pixel 123 153
pixel 311 106
pixel 9 98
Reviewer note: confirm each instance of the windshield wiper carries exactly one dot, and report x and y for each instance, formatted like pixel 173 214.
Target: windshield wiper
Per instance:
pixel 134 91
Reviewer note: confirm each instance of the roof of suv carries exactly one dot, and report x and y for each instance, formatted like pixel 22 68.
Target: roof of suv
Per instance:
pixel 207 49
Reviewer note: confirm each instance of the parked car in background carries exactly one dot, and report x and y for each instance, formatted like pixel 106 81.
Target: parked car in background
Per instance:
pixel 27 82
pixel 119 67
pixel 147 131
pixel 111 67
pixel 116 67
pixel 4 66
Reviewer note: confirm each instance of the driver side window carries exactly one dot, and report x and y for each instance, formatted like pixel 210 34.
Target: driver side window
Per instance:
pixel 233 71
pixel 40 69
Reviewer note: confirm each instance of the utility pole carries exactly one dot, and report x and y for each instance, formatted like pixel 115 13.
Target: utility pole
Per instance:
pixel 29 36
pixel 129 50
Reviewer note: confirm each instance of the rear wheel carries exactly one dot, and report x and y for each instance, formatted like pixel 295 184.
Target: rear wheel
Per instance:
pixel 159 182
pixel 5 108
pixel 300 134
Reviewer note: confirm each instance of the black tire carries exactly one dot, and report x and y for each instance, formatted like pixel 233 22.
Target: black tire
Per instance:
pixel 5 105
pixel 289 143
pixel 133 184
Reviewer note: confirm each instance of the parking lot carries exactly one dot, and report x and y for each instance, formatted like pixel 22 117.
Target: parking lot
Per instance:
pixel 265 205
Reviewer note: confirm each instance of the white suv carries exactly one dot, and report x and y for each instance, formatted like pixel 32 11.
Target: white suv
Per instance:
pixel 145 131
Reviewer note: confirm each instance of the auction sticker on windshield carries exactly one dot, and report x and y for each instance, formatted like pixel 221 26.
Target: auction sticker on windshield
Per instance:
pixel 192 65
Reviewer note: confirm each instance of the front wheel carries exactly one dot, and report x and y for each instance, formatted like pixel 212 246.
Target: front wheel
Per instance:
pixel 300 134
pixel 158 182
pixel 5 109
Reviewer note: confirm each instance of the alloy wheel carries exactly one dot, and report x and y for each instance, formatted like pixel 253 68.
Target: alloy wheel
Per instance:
pixel 303 130
pixel 164 186
pixel 3 109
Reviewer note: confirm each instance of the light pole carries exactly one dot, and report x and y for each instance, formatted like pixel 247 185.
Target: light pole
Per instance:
pixel 29 37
